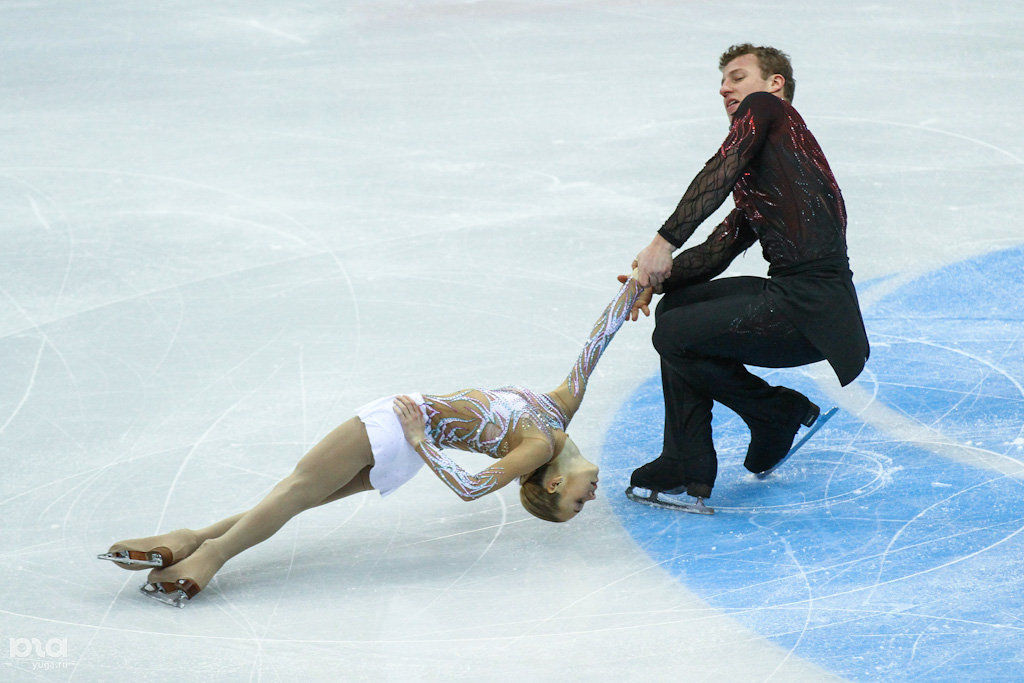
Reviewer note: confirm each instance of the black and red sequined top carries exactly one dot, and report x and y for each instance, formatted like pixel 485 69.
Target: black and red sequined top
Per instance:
pixel 788 199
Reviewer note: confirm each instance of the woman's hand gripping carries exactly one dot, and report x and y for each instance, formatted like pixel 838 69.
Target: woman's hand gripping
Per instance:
pixel 411 418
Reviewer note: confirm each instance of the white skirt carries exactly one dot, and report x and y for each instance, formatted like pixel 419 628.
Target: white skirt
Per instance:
pixel 394 460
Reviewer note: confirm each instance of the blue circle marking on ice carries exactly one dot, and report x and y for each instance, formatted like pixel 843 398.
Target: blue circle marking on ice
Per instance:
pixel 868 554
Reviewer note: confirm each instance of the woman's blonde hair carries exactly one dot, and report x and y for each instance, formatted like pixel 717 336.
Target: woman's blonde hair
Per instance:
pixel 536 499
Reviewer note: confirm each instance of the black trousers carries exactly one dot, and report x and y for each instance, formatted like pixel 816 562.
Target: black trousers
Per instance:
pixel 705 334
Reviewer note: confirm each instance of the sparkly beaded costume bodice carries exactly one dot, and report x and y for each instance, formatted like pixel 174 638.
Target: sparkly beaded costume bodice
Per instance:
pixel 486 420
pixel 513 423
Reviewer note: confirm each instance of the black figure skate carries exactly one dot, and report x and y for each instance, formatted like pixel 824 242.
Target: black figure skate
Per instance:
pixel 662 476
pixel 815 421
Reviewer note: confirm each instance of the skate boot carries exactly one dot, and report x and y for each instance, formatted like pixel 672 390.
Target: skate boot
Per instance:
pixel 151 552
pixel 661 474
pixel 770 445
pixel 664 476
pixel 133 560
pixel 814 427
pixel 174 593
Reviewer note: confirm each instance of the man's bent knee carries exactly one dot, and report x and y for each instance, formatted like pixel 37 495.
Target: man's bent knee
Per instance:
pixel 670 341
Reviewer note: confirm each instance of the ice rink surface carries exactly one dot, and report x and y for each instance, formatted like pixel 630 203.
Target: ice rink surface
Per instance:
pixel 228 224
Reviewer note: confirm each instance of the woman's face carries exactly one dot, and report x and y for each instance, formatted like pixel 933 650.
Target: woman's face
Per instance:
pixel 578 487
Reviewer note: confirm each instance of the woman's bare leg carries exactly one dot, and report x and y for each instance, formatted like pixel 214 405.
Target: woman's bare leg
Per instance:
pixel 183 542
pixel 335 467
pixel 359 483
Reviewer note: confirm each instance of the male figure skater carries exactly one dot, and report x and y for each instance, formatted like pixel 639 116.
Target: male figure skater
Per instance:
pixel 805 311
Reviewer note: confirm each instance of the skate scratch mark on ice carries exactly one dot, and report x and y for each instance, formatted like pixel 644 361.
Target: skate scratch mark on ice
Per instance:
pixel 930 129
pixel 973 394
pixel 28 387
pixel 922 572
pixel 923 675
pixel 280 593
pixel 247 470
pixel 70 253
pixel 922 634
pixel 869 376
pixel 488 312
pixel 174 335
pixel 482 60
pixel 1013 380
pixel 709 614
pixel 213 218
pixel 386 552
pixel 807 585
pixel 555 180
pixel 229 608
pixel 74 504
pixel 39 214
pixel 200 440
pixel 67 492
pixel 302 390
pixel 100 626
pixel 357 322
pixel 903 427
pixel 54 482
pixel 470 531
pixel 701 615
pixel 982 361
pixel 865 559
pixel 260 26
pixel 859 491
pixel 144 294
pixel 532 275
pixel 29 549
pixel 709 611
pixel 342 523
pixel 499 527
pixel 962 394
pixel 883 558
pixel 33 325
pixel 1011 348
pixel 216 382
pixel 842 462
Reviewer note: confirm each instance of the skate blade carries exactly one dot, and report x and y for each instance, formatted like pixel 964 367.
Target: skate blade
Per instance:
pixel 175 597
pixel 652 498
pixel 818 424
pixel 134 558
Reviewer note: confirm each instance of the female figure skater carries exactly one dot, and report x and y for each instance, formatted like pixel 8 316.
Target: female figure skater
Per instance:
pixel 386 444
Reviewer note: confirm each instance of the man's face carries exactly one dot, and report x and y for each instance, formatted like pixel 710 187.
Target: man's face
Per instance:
pixel 742 76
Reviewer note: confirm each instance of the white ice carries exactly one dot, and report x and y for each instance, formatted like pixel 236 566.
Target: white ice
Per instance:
pixel 227 224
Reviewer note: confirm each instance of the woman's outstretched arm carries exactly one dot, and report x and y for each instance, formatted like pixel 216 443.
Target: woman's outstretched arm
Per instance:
pixel 523 459
pixel 570 392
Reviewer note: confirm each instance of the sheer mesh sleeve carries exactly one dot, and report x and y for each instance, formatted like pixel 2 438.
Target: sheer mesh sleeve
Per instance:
pixel 526 457
pixel 467 486
pixel 713 184
pixel 705 261
pixel 600 336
